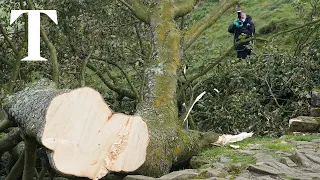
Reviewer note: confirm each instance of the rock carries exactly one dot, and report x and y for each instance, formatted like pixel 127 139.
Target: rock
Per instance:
pixel 307 176
pixel 265 178
pixel 114 177
pixel 256 147
pixel 212 178
pixel 287 161
pixel 247 152
pixel 225 159
pixel 219 165
pixel 316 141
pixel 301 159
pixel 313 158
pixel 315 98
pixel 272 168
pixel 197 161
pixel 264 169
pixel 285 154
pixel 137 177
pixel 262 157
pixel 281 167
pixel 241 178
pixel 245 175
pixel 183 174
pixel 212 172
pixel 301 143
pixel 304 124
pixel 315 111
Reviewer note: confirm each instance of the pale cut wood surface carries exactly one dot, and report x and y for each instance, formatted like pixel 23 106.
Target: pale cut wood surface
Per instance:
pixel 88 140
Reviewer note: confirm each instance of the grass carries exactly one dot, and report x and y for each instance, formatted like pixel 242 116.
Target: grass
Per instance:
pixel 279 146
pixel 273 145
pixel 236 157
pixel 307 138
pixel 253 140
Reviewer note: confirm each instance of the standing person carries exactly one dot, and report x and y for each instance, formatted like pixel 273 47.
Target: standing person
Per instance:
pixel 242 25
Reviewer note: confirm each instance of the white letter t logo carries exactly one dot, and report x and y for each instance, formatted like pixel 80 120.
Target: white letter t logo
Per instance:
pixel 34 30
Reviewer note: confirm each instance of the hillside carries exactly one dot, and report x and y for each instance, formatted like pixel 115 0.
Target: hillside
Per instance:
pixel 269 17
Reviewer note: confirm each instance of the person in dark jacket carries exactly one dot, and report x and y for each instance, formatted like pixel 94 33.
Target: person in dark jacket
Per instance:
pixel 242 26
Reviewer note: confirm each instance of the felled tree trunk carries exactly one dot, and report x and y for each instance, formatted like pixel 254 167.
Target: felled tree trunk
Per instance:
pixel 84 137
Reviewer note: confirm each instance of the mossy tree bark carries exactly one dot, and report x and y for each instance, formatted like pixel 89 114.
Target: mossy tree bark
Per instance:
pixel 169 143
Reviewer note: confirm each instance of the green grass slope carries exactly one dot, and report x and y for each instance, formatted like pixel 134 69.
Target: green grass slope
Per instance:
pixel 269 17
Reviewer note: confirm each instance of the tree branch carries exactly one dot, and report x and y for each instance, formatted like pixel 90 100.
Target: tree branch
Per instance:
pixel 127 78
pixel 183 7
pixel 83 70
pixel 5 124
pixel 16 67
pixel 111 86
pixel 133 89
pixel 214 14
pixel 17 169
pixel 294 29
pixel 52 50
pixel 29 159
pixel 218 60
pixel 45 167
pixel 25 16
pixel 6 37
pixel 140 40
pixel 10 140
pixel 5 61
pixel 140 10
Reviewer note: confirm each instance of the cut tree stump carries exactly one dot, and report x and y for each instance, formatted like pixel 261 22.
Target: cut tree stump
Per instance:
pixel 85 138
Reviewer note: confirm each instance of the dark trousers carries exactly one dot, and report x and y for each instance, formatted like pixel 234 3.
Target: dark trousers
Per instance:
pixel 244 53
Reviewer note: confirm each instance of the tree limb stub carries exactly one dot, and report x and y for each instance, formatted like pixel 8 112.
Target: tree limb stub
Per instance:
pixel 85 137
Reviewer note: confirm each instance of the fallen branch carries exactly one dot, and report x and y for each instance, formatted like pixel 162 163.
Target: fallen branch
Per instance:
pixel 197 99
pixel 17 169
pixel 10 140
pixel 5 124
pixel 227 138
